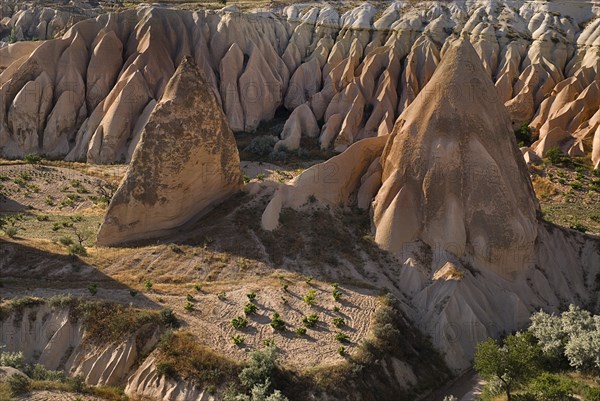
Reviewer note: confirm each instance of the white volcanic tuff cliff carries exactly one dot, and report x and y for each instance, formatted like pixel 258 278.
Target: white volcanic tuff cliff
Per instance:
pixel 146 383
pixel 359 79
pixel 450 196
pixel 174 178
pixel 49 336
pixel 35 22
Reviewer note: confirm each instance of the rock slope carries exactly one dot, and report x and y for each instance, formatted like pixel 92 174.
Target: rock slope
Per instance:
pixel 450 197
pixel 186 161
pixel 50 336
pixel 452 174
pixel 357 72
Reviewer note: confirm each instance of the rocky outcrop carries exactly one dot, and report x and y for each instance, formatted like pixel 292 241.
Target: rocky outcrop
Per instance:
pixel 185 163
pixel 49 336
pixel 331 182
pixel 452 175
pixel 32 22
pixel 357 82
pixel 301 123
pixel 450 197
pixel 147 384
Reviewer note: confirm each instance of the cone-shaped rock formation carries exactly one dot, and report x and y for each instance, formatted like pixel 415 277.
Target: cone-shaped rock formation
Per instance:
pixel 453 176
pixel 186 162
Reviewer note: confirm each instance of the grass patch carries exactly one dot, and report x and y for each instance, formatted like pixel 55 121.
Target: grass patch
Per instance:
pixel 181 356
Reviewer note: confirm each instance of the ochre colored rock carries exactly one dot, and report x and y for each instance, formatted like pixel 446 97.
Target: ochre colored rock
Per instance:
pixel 185 163
pixel 452 174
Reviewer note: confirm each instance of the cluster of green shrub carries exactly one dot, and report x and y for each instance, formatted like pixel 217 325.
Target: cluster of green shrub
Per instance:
pixel 548 362
pixel 104 322
pixel 255 379
pixel 263 147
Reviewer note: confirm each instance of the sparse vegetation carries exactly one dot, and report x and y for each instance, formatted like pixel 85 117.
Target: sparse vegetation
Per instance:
pixel 301 331
pixel 555 156
pixel 93 288
pixel 537 364
pixel 261 145
pixel 310 298
pixel 277 322
pixel 250 308
pixel 524 136
pixel 168 318
pixel 238 339
pixel 77 249
pixel 239 322
pixel 310 320
pixel 342 337
pixel 182 356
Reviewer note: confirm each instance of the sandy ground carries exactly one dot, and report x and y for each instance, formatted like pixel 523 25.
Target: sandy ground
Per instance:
pixel 26 187
pixel 225 278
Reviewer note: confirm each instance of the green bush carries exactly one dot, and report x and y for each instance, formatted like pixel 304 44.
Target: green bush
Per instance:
pixel 577 185
pixel 338 322
pixel 591 394
pixel 550 387
pixel 239 322
pixel 77 249
pixel 261 145
pixel 12 359
pixel 19 385
pixel 249 308
pixel 310 298
pixel 32 158
pixel 579 227
pixel 65 240
pixel 301 331
pixel 168 318
pixel 40 373
pixel 524 135
pixel 165 369
pixel 260 367
pixel 310 320
pixel 93 288
pixel 277 323
pixel 555 155
pixel 238 339
pixel 342 337
pixel 524 397
pixel 251 296
pixel 11 232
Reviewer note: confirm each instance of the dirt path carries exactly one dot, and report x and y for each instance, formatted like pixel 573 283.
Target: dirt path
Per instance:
pixel 466 388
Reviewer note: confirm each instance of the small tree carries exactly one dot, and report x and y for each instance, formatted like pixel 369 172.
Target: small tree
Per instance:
pixel 512 363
